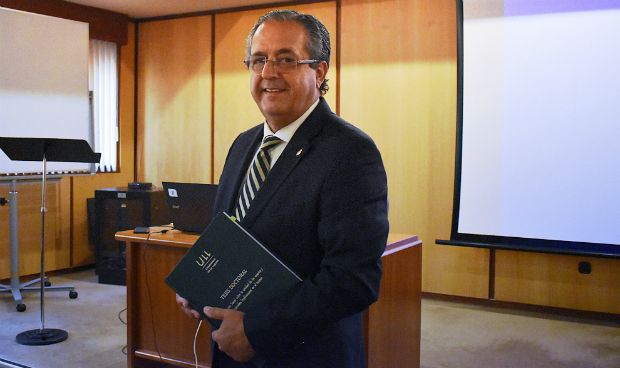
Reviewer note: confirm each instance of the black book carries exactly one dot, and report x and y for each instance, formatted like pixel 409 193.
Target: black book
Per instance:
pixel 228 268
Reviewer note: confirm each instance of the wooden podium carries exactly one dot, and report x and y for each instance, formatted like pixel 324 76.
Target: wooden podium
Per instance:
pixel 159 334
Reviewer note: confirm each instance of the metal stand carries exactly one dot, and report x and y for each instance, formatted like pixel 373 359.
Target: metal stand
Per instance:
pixel 43 336
pixel 46 149
pixel 16 288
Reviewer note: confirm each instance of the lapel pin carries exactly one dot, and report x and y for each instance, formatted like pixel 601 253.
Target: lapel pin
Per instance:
pixel 299 152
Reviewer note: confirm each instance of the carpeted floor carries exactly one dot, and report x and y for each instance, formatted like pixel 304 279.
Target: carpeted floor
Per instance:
pixel 96 335
pixel 454 335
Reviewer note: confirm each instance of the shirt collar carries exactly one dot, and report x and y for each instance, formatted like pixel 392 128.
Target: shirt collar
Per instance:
pixel 286 133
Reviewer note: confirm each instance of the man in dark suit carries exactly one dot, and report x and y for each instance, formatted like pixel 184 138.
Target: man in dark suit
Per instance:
pixel 316 196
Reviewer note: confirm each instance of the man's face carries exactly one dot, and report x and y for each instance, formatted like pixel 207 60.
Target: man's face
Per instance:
pixel 283 97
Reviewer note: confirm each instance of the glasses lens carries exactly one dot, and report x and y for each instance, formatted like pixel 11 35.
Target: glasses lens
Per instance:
pixel 256 64
pixel 286 65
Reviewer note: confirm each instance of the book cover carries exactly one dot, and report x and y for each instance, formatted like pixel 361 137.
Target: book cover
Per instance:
pixel 228 268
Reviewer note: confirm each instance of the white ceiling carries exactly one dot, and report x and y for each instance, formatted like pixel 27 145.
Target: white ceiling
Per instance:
pixel 157 8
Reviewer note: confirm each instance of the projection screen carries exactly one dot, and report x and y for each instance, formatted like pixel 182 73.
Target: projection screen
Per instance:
pixel 538 127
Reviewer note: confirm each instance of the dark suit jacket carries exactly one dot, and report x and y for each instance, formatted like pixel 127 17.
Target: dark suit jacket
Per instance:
pixel 323 211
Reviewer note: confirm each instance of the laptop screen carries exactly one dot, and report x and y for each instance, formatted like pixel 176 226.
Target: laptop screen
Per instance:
pixel 191 205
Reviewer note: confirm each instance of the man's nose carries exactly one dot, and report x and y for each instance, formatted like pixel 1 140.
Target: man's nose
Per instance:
pixel 270 69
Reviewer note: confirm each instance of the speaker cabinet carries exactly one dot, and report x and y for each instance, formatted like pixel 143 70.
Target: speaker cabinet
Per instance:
pixel 119 209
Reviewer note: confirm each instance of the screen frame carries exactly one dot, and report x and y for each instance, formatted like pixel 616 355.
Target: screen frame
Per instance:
pixel 493 241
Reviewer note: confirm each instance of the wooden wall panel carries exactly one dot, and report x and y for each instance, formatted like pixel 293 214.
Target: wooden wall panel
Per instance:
pixel 64 225
pixel 234 109
pixel 554 280
pixel 398 83
pixel 174 100
pixel 83 253
pixel 57 244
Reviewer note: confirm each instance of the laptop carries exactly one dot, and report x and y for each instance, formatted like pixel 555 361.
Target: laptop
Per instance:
pixel 190 204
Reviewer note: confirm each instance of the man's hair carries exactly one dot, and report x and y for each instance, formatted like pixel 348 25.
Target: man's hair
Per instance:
pixel 318 45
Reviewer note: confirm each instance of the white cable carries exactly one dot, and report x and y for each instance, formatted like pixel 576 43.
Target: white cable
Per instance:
pixel 195 338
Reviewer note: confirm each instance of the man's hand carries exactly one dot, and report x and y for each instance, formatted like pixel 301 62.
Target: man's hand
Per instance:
pixel 184 304
pixel 230 337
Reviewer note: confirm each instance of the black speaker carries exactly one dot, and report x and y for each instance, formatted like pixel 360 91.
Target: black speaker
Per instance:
pixel 118 209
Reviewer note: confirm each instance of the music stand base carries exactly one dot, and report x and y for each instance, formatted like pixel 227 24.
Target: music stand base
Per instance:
pixel 47 336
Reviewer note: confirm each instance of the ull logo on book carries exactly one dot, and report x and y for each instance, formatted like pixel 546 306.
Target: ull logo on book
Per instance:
pixel 207 261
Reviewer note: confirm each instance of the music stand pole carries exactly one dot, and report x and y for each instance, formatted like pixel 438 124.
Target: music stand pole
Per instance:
pixel 42 336
pixel 43 211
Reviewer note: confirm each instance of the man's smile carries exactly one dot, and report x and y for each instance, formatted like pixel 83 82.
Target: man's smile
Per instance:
pixel 273 90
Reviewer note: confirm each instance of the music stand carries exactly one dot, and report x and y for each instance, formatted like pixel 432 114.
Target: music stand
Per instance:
pixel 44 150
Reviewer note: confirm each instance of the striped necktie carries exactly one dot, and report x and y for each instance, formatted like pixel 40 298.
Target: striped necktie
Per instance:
pixel 256 176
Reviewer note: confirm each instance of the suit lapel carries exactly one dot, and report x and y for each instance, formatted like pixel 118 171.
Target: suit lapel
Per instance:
pixel 295 151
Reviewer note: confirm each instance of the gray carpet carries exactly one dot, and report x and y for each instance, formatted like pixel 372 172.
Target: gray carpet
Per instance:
pixel 96 335
pixel 454 335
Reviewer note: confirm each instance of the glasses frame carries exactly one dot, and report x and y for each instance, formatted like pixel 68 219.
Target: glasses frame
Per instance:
pixel 277 62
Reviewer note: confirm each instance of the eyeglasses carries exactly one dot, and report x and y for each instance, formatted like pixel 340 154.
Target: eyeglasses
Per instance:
pixel 283 65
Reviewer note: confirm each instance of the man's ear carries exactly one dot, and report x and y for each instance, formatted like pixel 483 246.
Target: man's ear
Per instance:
pixel 321 72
